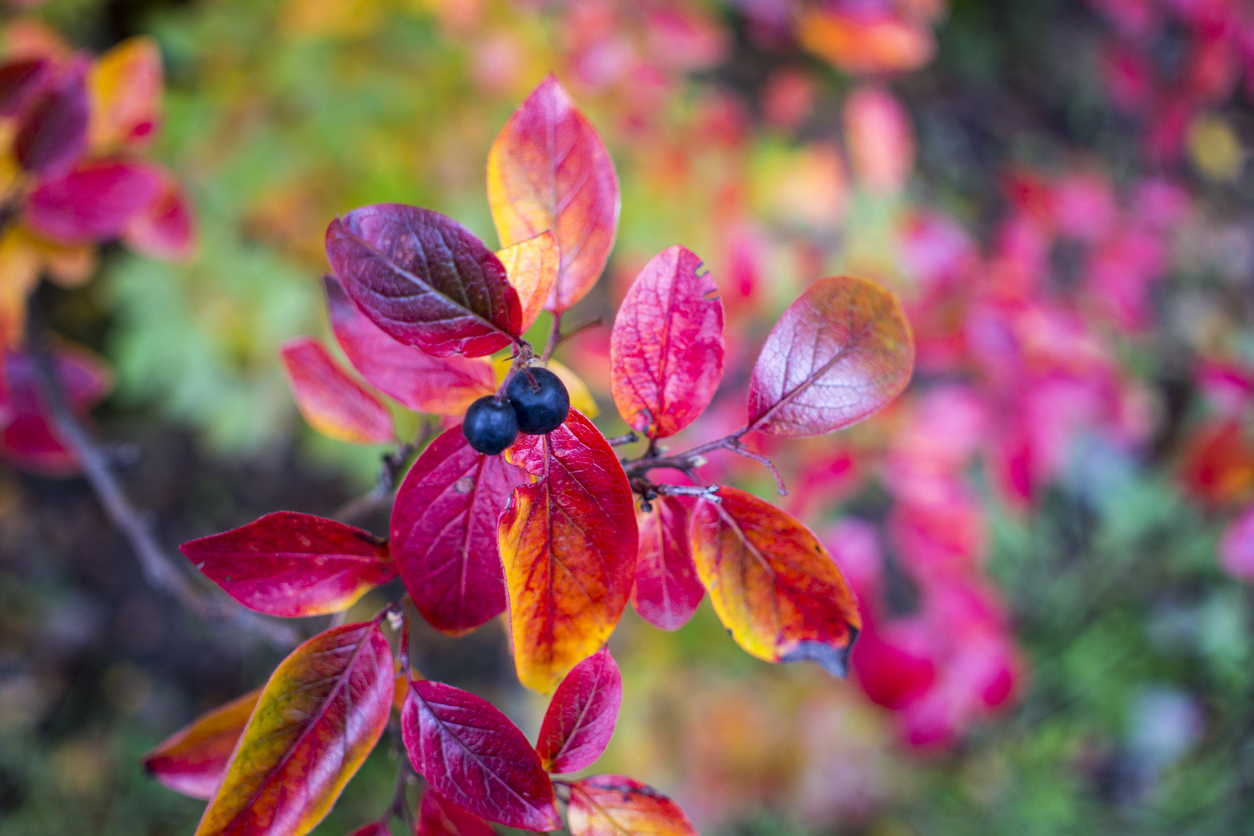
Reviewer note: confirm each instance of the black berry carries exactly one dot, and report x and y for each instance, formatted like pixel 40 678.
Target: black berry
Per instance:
pixel 540 400
pixel 490 425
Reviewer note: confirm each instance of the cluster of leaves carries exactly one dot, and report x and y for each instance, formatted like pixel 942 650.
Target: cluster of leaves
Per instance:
pixel 549 532
pixel 72 177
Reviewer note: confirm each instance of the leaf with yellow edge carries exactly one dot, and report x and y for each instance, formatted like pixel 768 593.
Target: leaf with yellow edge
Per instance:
pixel 772 583
pixel 320 714
pixel 193 759
pixel 568 544
pixel 615 805
pixel 531 267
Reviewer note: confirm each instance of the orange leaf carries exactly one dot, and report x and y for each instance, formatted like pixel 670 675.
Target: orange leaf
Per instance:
pixel 531 267
pixel 874 44
pixel 333 403
pixel 193 759
pixel 320 714
pixel 614 805
pixel 568 543
pixel 772 583
pixel 548 170
pixel 125 86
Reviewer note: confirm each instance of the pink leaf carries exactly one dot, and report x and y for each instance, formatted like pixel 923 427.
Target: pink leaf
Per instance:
pixel 667 589
pixel 95 202
pixel 52 134
pixel 472 755
pixel 332 402
pixel 666 349
pixel 580 720
pixel 1236 550
pixel 438 817
pixel 165 229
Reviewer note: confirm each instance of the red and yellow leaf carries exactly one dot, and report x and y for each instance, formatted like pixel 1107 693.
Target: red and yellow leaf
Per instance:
pixel 840 353
pixel 193 760
pixel 532 269
pixel 568 543
pixel 293 565
pixel 615 805
pixel 333 403
pixel 438 817
pixel 424 279
pixel 667 589
pixel 417 380
pixel 444 532
pixel 320 714
pixel 666 349
pixel 548 170
pixel 772 584
pixel 125 85
pixel 581 717
pixel 472 755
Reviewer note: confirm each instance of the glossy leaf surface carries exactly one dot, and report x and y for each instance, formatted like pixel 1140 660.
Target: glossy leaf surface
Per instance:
pixel 568 543
pixel 320 714
pixel 472 755
pixel 416 379
pixel 95 202
pixel 193 760
pixel 425 279
pixel 580 720
pixel 773 585
pixel 438 817
pixel 532 269
pixel 293 565
pixel 667 589
pixel 840 353
pixel 548 170
pixel 333 403
pixel 666 349
pixel 444 532
pixel 615 805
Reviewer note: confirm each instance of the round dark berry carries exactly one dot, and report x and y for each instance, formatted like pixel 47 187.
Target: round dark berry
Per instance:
pixel 540 400
pixel 490 425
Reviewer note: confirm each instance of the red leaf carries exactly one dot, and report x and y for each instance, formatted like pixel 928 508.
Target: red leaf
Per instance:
pixel 840 353
pixel 444 532
pixel 293 565
pixel 95 202
pixel 193 760
pixel 568 543
pixel 320 714
pixel 419 381
pixel 472 755
pixel 580 720
pixel 666 350
pixel 20 82
pixel 438 817
pixel 29 439
pixel 333 403
pixel 667 589
pixel 773 585
pixel 548 170
pixel 615 805
pixel 165 229
pixel 52 133
pixel 425 279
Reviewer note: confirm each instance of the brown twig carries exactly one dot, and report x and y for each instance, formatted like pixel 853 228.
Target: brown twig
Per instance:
pixel 555 336
pixel 381 495
pixel 159 570
pixel 620 440
pixel 687 461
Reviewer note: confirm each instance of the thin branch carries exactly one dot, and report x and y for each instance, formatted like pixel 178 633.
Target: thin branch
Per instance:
pixel 709 492
pixel 620 440
pixel 159 570
pixel 555 337
pixel 687 461
pixel 380 496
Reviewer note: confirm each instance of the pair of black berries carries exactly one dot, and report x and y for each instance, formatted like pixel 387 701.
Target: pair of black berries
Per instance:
pixel 536 402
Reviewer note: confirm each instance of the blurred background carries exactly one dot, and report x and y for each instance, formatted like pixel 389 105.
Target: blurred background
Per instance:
pixel 1051 534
